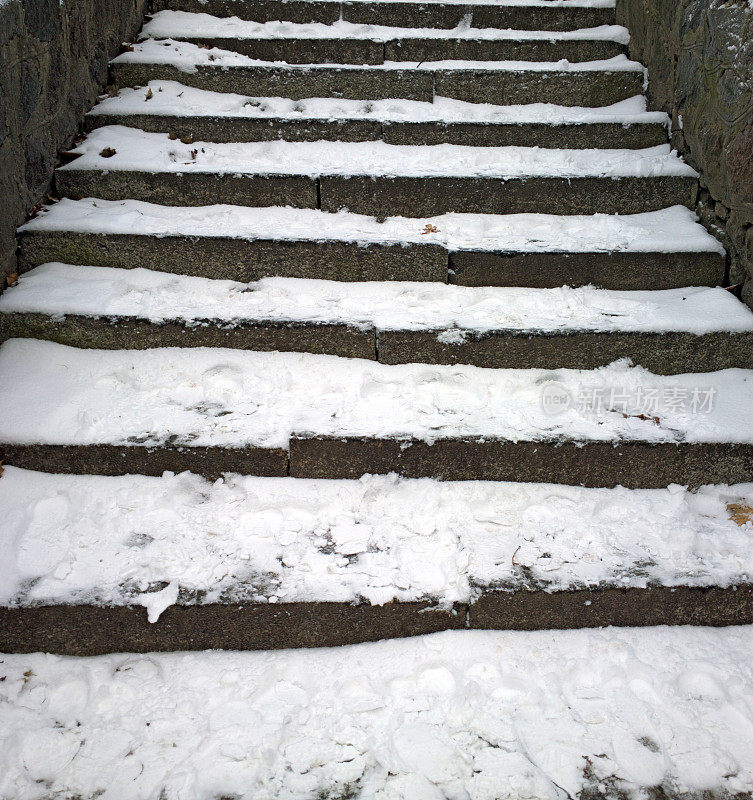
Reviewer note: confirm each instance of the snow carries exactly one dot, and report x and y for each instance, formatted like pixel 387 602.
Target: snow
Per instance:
pixel 155 152
pixel 229 398
pixel 60 289
pixel 111 540
pixel 463 714
pixel 674 229
pixel 170 98
pixel 187 57
pixel 185 25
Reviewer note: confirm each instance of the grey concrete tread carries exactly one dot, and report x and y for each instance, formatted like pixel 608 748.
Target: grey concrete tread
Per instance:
pixel 243 260
pixel 632 464
pixel 93 630
pixel 424 14
pixel 386 196
pixel 500 87
pixel 478 134
pixel 664 353
pixel 371 51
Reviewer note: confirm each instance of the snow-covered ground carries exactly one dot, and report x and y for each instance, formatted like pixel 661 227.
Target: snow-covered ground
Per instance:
pixel 171 98
pixel 135 540
pixel 187 56
pixel 674 229
pixel 229 398
pixel 476 715
pixel 184 25
pixel 156 152
pixel 61 289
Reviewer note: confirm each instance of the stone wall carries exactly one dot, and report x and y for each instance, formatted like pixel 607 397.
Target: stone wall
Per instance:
pixel 699 55
pixel 53 63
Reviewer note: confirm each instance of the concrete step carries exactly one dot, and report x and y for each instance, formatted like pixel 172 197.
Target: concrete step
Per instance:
pixel 394 323
pixel 376 178
pixel 213 411
pixel 589 84
pixel 549 15
pixel 349 43
pixel 350 561
pixel 187 113
pixel 657 250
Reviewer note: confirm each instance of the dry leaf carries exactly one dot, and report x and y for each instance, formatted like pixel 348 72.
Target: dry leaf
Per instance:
pixel 187 139
pixel 149 94
pixel 739 513
pixel 1 469
pixel 108 152
pixel 172 136
pixel 430 229
pixel 12 279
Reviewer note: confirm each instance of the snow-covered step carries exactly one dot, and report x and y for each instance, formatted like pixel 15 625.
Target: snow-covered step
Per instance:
pixel 350 43
pixel 140 563
pixel 200 115
pixel 216 410
pixel 540 715
pixel 656 250
pixel 665 331
pixel 459 713
pixel 551 15
pixel 589 83
pixel 376 178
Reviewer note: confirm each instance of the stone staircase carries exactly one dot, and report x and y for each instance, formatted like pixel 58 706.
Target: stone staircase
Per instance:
pixel 304 242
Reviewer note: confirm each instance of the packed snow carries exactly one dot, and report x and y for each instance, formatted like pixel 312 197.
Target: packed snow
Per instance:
pixel 185 25
pixel 674 229
pixel 118 541
pixel 187 57
pixel 169 98
pixel 61 289
pixel 463 714
pixel 156 152
pixel 228 398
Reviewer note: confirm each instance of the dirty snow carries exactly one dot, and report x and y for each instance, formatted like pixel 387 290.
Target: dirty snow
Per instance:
pixel 229 398
pixel 462 714
pixel 119 540
pixel 170 98
pixel 156 152
pixel 674 229
pixel 60 289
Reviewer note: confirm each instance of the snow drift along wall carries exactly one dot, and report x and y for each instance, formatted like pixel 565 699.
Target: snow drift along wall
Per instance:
pixel 53 63
pixel 699 54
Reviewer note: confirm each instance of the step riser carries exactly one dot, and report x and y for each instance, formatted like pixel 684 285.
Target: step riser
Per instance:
pixel 587 89
pixel 385 197
pixel 400 15
pixel 240 260
pixel 410 197
pixel 245 261
pixel 591 89
pixel 475 134
pixel 662 354
pixel 629 271
pixel 58 629
pixel 634 465
pixel 350 51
